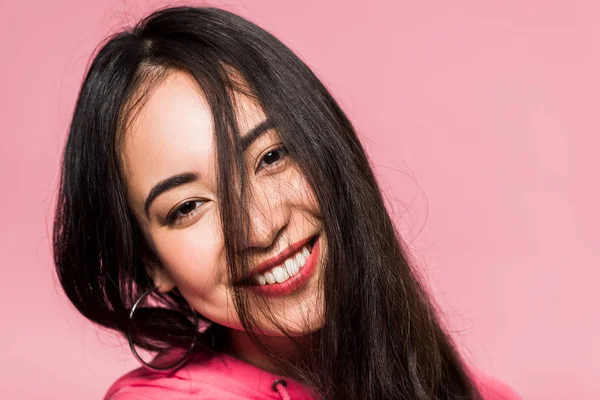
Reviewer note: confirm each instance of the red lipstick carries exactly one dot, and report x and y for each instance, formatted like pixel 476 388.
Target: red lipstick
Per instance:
pixel 294 282
pixel 279 258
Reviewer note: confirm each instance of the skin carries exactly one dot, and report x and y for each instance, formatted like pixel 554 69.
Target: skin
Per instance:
pixel 172 134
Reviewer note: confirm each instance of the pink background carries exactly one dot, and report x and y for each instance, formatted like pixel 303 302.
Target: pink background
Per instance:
pixel 482 116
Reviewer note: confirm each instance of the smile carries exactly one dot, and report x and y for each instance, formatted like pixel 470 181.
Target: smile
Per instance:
pixel 289 268
pixel 288 271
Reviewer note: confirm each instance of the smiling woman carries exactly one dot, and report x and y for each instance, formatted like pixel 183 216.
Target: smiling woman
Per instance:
pixel 209 170
pixel 168 157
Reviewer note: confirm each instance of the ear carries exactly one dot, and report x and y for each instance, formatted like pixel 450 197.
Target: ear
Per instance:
pixel 161 277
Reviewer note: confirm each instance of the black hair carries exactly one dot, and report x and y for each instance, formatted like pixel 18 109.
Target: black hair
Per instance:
pixel 382 337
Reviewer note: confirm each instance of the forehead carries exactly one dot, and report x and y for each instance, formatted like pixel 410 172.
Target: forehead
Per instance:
pixel 173 133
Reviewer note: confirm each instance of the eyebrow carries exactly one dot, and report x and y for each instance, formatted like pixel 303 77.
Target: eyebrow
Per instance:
pixel 187 177
pixel 168 184
pixel 247 140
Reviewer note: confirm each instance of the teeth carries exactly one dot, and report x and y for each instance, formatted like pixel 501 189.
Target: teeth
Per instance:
pixel 292 266
pixel 269 277
pixel 261 280
pixel 300 259
pixel 305 253
pixel 282 273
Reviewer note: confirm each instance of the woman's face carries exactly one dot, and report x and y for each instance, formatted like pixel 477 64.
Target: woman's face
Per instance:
pixel 172 136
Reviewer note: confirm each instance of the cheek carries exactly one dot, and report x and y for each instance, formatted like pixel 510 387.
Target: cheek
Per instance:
pixel 194 255
pixel 301 193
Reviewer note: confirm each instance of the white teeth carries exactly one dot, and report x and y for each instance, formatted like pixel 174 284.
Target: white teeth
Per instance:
pixel 283 272
pixel 270 277
pixel 280 274
pixel 292 266
pixel 305 253
pixel 261 280
pixel 300 259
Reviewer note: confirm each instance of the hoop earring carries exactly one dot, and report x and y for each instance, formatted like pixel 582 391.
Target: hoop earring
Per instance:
pixel 131 344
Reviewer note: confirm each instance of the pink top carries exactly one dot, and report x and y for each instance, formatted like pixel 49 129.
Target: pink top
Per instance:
pixel 224 377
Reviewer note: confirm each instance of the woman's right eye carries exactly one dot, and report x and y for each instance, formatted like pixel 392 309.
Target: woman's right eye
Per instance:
pixel 184 212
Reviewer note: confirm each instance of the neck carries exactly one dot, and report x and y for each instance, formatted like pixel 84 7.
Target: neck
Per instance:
pixel 241 346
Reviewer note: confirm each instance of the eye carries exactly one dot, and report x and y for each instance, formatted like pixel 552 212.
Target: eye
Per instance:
pixel 272 157
pixel 184 212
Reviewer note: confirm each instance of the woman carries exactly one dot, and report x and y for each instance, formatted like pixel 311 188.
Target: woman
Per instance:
pixel 209 170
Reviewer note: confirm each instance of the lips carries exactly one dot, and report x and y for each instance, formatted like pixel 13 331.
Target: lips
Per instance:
pixel 278 260
pixel 295 281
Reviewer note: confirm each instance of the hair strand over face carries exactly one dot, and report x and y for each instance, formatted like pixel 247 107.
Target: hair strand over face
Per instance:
pixel 381 337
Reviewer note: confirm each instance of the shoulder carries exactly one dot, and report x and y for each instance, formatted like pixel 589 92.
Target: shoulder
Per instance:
pixel 142 384
pixel 204 376
pixel 492 388
pixel 198 379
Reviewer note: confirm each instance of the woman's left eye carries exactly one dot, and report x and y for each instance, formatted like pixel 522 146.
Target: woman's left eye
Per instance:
pixel 272 157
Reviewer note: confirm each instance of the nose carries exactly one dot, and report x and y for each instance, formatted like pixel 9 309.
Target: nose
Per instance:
pixel 268 215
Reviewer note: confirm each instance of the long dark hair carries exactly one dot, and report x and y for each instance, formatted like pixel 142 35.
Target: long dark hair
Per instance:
pixel 382 338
